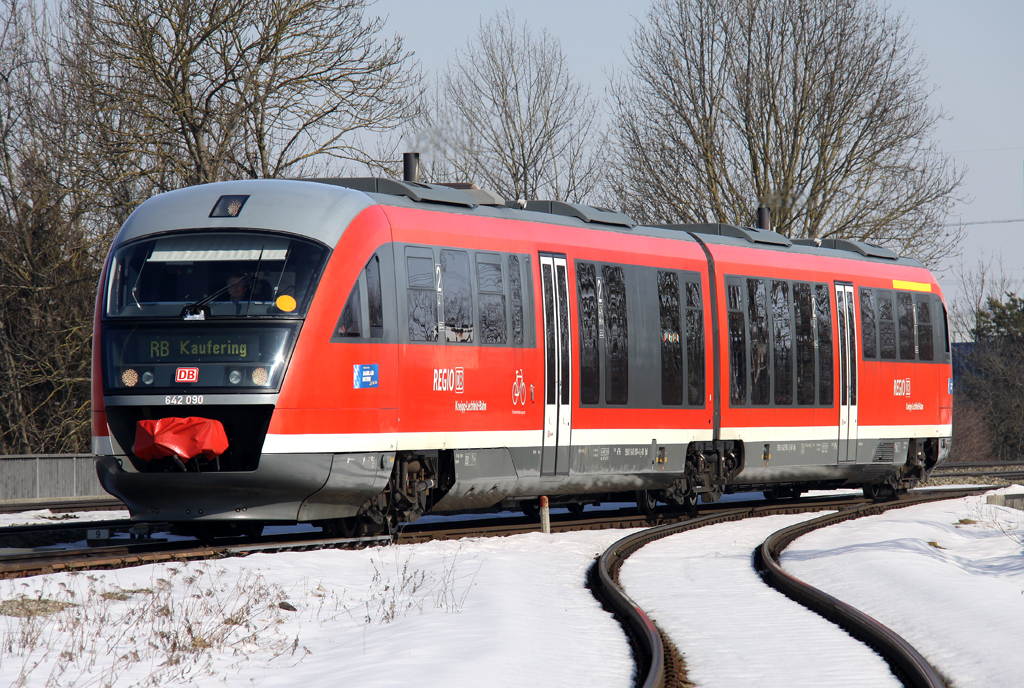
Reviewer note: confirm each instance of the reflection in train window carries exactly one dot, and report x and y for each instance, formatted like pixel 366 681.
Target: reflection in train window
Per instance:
pixel 671 340
pixel 586 290
pixel 616 336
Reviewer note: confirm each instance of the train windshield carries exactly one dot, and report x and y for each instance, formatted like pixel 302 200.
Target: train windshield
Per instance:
pixel 199 275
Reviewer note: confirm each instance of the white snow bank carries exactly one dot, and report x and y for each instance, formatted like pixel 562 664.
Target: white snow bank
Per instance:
pixel 948 577
pixel 510 611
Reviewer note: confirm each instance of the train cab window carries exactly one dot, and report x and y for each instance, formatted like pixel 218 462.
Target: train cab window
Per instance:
pixel 671 339
pixel 783 344
pixel 694 345
pixel 905 312
pixel 374 298
pixel 491 298
pixel 737 346
pixel 616 336
pixel 945 324
pixel 869 338
pixel 886 326
pixel 804 330
pixel 458 296
pixel 363 314
pixel 421 296
pixel 925 331
pixel 516 291
pixel 586 298
pixel 757 312
pixel 350 322
pixel 823 319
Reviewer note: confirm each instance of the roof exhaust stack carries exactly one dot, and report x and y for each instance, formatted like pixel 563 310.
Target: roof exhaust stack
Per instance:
pixel 410 167
pixel 763 218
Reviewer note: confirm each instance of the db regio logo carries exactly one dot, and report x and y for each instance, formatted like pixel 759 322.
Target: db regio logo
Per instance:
pixel 449 379
pixel 901 388
pixel 186 375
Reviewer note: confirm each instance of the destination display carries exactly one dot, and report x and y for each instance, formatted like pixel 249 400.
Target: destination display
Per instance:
pixel 164 348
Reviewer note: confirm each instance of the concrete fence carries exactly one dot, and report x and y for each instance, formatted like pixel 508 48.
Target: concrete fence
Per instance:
pixel 52 476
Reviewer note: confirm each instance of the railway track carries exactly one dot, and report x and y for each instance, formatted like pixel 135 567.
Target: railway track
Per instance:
pixel 55 547
pixel 659 663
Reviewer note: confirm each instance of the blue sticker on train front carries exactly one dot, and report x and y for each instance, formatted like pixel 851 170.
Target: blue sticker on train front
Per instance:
pixel 364 376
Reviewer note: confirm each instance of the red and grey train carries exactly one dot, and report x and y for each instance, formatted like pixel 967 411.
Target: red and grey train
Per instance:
pixel 354 352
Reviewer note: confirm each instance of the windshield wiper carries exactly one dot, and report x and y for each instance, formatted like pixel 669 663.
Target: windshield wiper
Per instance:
pixel 194 311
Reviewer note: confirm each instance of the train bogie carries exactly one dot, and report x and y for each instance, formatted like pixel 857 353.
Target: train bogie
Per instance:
pixel 374 351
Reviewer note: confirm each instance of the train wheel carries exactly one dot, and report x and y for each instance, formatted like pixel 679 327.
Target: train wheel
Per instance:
pixel 575 509
pixel 690 503
pixel 530 509
pixel 647 503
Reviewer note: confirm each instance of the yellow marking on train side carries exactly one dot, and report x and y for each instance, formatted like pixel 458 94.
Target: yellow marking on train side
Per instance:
pixel 911 286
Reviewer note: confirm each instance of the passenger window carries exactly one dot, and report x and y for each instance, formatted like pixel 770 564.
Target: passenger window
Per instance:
pixel 841 322
pixel 421 299
pixel 374 298
pixel 804 327
pixel 671 340
pixel 737 346
pixel 905 309
pixel 823 318
pixel 458 296
pixel 586 298
pixel 886 326
pixel 616 336
pixel 563 333
pixel 783 344
pixel 867 323
pixel 757 313
pixel 925 332
pixel 516 289
pixel 850 313
pixel 491 291
pixel 694 345
pixel 549 333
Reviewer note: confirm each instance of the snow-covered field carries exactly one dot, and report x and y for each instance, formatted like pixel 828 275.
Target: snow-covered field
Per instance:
pixel 38 516
pixel 514 611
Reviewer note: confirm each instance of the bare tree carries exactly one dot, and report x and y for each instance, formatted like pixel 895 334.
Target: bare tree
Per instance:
pixel 48 259
pixel 816 108
pixel 508 115
pixel 184 92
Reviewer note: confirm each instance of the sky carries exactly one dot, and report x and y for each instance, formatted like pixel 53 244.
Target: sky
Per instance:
pixel 974 57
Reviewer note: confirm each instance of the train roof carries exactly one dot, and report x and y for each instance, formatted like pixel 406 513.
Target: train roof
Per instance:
pixel 323 208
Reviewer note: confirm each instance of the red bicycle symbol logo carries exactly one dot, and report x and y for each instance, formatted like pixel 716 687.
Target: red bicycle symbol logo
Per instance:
pixel 519 389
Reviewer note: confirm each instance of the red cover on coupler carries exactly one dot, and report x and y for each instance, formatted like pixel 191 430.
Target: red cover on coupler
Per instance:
pixel 185 438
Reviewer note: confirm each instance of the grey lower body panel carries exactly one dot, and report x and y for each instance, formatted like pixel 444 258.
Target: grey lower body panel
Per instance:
pixel 285 487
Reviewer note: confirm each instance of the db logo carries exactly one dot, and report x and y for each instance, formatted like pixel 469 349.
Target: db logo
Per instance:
pixel 186 375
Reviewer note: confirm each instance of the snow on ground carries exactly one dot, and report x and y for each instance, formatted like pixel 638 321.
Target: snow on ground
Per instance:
pixel 510 611
pixel 948 577
pixel 46 516
pixel 701 588
pixel 514 610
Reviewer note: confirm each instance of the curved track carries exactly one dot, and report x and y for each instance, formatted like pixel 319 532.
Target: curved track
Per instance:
pixel 906 662
pixel 658 661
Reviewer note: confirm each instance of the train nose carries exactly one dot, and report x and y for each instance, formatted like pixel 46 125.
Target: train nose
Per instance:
pixel 179 439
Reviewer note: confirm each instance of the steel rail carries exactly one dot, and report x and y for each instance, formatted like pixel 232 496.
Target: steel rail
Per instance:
pixel 906 662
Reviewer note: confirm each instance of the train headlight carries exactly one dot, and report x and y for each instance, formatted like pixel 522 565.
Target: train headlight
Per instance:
pixel 234 377
pixel 147 378
pixel 130 378
pixel 259 376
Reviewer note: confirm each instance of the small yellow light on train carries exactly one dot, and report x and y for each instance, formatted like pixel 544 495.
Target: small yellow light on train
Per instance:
pixel 286 303
pixel 235 376
pixel 147 378
pixel 130 378
pixel 259 376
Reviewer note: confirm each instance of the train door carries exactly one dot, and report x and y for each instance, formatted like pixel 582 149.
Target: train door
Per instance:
pixel 557 365
pixel 847 380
